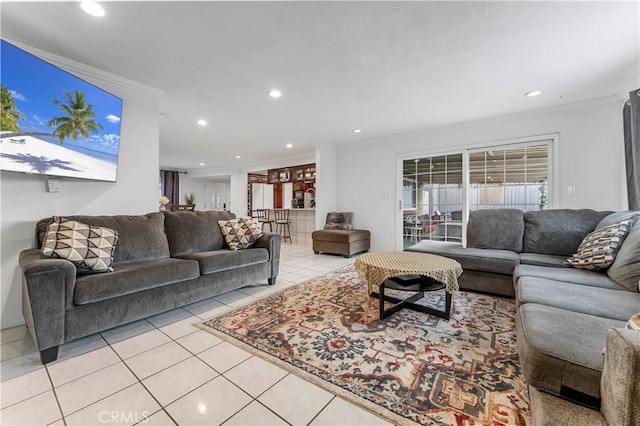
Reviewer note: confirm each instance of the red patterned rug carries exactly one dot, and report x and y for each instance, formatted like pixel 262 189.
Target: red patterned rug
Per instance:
pixel 411 367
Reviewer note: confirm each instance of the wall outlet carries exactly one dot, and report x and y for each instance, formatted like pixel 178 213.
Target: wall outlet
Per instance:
pixel 571 190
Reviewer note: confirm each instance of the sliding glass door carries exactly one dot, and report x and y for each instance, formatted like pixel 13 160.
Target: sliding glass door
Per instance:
pixel 439 191
pixel 432 198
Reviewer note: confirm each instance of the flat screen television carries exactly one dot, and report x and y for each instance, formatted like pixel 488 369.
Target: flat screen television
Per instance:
pixel 54 123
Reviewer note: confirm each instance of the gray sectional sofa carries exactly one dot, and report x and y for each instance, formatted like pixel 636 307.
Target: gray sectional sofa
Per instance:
pixel 565 316
pixel 162 261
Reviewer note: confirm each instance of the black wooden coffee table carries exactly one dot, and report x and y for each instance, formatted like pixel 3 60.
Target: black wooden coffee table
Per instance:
pixel 412 283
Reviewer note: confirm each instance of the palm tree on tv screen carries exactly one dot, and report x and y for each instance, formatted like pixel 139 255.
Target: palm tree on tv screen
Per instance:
pixel 79 119
pixel 10 114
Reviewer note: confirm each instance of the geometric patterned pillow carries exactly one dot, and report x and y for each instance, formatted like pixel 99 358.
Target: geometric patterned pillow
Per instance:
pixel 240 233
pixel 598 249
pixel 88 247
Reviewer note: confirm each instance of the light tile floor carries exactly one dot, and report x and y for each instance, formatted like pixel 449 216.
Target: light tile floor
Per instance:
pixel 164 371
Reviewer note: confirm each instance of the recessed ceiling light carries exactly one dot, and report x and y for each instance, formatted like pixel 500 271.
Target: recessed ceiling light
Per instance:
pixel 533 93
pixel 202 164
pixel 238 157
pixel 289 145
pixel 357 130
pixel 92 8
pixel 202 122
pixel 274 93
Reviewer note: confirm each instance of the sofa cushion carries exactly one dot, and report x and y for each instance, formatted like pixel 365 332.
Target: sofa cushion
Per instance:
pixel 543 260
pixel 223 260
pixel 567 275
pixel 633 215
pixel 626 268
pixel 558 231
pixel 498 229
pixel 599 248
pixel 139 237
pixel 190 232
pixel 90 248
pixel 498 261
pixel 132 277
pixel 600 302
pixel 240 233
pixel 561 349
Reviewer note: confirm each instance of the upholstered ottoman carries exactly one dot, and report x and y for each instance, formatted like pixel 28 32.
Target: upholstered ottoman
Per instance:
pixel 341 241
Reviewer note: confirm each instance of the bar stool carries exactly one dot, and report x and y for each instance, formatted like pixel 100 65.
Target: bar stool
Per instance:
pixel 263 218
pixel 282 224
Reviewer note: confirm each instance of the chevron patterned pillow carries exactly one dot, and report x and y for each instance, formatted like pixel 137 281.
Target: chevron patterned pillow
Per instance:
pixel 598 249
pixel 240 233
pixel 88 247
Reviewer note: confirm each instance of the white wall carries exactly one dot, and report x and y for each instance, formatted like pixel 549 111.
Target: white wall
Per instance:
pixel 590 155
pixel 203 190
pixel 326 183
pixel 24 200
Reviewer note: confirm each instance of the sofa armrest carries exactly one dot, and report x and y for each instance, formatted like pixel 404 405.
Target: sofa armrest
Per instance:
pixel 620 385
pixel 47 291
pixel 271 241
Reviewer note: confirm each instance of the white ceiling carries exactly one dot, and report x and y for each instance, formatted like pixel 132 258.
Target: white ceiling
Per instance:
pixel 385 67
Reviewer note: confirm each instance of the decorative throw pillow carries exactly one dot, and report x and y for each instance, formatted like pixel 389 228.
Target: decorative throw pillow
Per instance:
pixel 240 233
pixel 339 220
pixel 634 323
pixel 598 249
pixel 88 247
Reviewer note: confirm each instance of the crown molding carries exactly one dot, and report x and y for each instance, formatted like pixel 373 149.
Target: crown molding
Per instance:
pixel 83 70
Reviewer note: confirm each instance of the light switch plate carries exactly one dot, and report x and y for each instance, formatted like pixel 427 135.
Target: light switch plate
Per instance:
pixel 53 185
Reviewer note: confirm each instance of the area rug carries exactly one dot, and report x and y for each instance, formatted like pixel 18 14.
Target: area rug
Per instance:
pixel 411 367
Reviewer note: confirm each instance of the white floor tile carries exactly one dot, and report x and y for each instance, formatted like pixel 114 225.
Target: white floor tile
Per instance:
pixel 16 367
pixel 340 412
pixel 160 418
pixel 199 341
pixel 17 348
pixel 183 377
pixel 176 323
pixel 207 308
pixel 257 291
pixel 147 363
pixel 181 328
pixel 14 333
pixel 295 400
pixel 39 410
pixel 24 387
pixel 80 346
pixel 127 407
pixel 126 331
pixel 224 356
pixel 140 343
pixel 235 299
pixel 70 369
pixel 255 375
pixel 210 404
pixel 255 414
pixel 91 388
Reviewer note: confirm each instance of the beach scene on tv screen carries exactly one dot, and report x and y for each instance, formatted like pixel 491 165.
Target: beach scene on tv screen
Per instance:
pixel 54 123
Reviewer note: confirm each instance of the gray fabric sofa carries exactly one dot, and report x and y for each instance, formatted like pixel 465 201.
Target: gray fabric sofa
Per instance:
pixel 563 314
pixel 499 240
pixel 162 261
